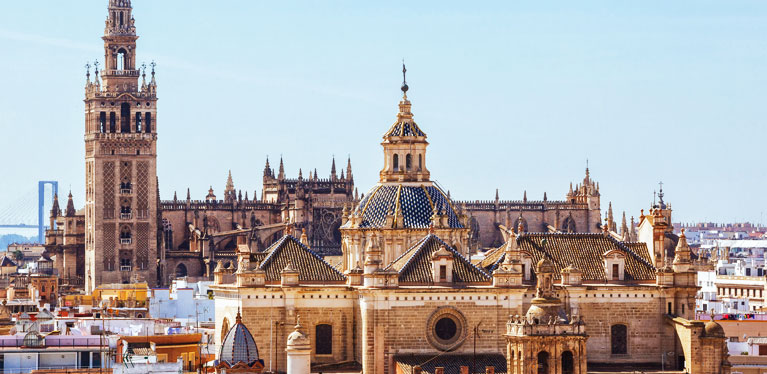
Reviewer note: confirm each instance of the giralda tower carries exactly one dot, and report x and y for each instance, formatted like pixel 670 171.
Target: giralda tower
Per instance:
pixel 120 161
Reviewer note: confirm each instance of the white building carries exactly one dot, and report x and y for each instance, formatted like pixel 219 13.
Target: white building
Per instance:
pixel 188 303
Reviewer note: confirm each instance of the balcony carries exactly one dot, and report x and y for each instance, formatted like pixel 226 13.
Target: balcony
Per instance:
pixel 126 190
pixel 125 240
pixel 126 268
pixel 125 216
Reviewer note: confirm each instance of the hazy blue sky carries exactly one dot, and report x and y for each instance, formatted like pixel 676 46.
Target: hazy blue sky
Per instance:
pixel 513 95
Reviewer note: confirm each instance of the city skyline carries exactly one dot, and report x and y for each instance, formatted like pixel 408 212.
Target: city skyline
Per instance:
pixel 516 121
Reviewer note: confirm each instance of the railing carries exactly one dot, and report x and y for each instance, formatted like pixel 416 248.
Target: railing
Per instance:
pixel 125 240
pixel 125 268
pixel 125 216
pixel 120 73
pixel 126 191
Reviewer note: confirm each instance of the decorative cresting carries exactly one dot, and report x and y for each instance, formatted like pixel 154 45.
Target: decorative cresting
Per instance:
pixel 404 145
pixel 239 352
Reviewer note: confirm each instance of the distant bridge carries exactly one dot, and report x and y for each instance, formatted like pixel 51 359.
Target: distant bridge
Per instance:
pixel 20 214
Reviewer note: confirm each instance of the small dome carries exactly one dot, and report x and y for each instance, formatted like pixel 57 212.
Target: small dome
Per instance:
pixel 239 345
pixel 714 329
pixel 544 266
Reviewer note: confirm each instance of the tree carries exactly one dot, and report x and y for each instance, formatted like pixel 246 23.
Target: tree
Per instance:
pixel 18 255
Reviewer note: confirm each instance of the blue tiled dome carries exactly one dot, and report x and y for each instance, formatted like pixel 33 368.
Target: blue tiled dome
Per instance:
pixel 404 128
pixel 417 204
pixel 238 345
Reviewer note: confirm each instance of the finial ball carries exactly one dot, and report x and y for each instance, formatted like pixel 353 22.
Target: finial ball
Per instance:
pixel 404 88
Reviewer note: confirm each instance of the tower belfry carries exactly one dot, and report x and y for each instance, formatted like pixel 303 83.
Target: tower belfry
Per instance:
pixel 120 160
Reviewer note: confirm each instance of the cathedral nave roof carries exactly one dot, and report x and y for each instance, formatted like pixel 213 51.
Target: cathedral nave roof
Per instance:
pixel 583 250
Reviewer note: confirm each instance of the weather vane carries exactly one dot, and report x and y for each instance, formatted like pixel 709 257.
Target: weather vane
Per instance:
pixel 404 80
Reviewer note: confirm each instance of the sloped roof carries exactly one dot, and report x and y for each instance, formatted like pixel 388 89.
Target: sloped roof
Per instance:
pixel 417 204
pixel 7 261
pixel 583 250
pixel 311 267
pixel 414 266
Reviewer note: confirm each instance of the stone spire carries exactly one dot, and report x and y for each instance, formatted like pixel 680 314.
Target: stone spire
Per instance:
pixel 281 174
pixel 267 168
pixel 610 218
pixel 349 168
pixel 188 195
pixel 70 206
pixel 624 229
pixel 55 210
pixel 524 196
pixel 333 174
pixel 229 182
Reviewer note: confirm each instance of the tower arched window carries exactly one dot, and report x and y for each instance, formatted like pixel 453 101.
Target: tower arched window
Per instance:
pixel 125 209
pixel 619 339
pixel 395 162
pixel 148 122
pixel 408 162
pixel 568 363
pixel 122 21
pixel 543 362
pixel 420 162
pixel 102 122
pixel 139 127
pixel 323 339
pixel 125 235
pixel 125 118
pixel 122 57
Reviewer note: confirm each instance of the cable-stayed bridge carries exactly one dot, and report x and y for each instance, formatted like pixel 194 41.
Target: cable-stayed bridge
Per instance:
pixel 30 210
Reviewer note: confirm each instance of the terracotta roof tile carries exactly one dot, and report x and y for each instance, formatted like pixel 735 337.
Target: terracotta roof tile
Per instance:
pixel 414 266
pixel 583 250
pixel 311 267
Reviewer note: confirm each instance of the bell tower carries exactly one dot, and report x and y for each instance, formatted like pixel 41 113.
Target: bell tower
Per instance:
pixel 120 160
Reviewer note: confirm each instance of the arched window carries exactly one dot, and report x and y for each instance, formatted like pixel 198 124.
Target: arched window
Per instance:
pixel 125 209
pixel 568 364
pixel 148 122
pixel 323 343
pixel 224 328
pixel 395 162
pixel 569 225
pixel 618 339
pixel 112 122
pixel 122 58
pixel 167 234
pixel 408 162
pixel 102 122
pixel 138 123
pixel 125 118
pixel 543 362
pixel 180 271
pixel 420 162
pixel 125 235
pixel 121 19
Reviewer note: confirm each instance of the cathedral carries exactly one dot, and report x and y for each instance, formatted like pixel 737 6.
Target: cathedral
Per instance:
pixel 399 279
pixel 127 233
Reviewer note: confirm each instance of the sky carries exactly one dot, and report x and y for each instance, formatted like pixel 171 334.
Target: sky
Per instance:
pixel 513 95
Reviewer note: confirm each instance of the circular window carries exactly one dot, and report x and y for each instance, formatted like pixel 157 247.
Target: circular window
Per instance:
pixel 446 329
